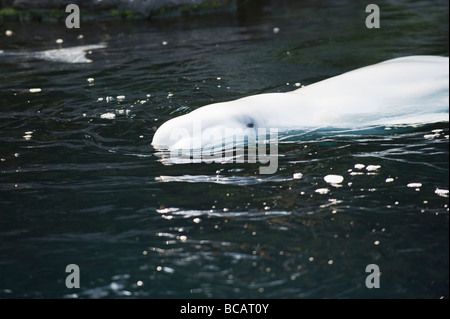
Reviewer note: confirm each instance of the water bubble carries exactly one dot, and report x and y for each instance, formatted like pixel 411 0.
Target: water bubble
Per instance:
pixel 168 270
pixel 167 210
pixel 108 116
pixel 333 179
pixel 28 135
pixel 322 191
pixel 373 167
pixel 297 175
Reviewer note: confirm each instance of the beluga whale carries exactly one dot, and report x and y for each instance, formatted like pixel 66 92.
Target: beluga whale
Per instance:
pixel 402 91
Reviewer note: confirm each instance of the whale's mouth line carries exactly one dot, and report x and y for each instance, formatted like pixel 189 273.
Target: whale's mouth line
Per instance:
pixel 236 146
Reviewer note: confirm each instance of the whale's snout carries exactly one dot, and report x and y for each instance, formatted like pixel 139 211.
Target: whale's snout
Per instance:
pixel 209 126
pixel 189 132
pixel 161 138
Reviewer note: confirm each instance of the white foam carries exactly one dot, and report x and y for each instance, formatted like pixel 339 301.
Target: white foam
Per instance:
pixel 333 179
pixel 371 168
pixel 67 55
pixel 297 175
pixel 322 191
pixel 441 192
pixel 108 116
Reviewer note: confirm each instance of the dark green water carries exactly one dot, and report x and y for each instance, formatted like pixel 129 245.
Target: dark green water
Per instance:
pixel 76 188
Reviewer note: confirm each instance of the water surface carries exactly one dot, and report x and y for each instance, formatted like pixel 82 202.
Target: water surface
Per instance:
pixel 80 183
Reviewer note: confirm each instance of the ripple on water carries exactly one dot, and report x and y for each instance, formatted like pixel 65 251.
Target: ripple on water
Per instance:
pixel 196 214
pixel 220 179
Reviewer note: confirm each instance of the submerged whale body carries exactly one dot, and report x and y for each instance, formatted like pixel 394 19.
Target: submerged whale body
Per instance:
pixel 407 90
pixel 64 55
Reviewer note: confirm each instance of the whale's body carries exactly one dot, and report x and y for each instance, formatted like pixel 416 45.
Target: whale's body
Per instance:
pixel 406 90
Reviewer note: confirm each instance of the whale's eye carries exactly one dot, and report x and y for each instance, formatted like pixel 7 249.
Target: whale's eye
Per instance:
pixel 250 125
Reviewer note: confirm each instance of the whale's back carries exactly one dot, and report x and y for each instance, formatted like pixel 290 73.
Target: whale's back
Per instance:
pixel 401 90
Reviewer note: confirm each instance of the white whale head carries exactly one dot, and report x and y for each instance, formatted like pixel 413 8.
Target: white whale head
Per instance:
pixel 211 125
